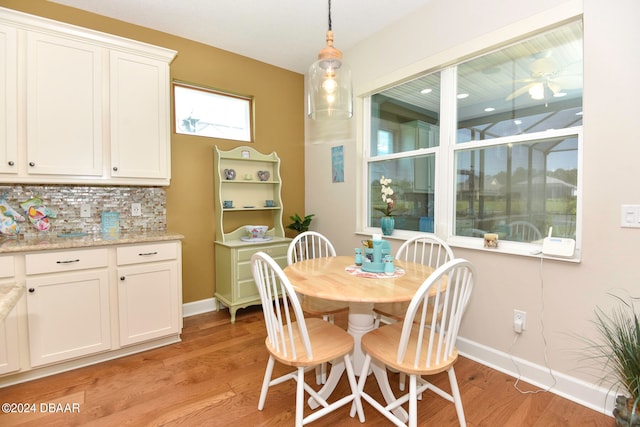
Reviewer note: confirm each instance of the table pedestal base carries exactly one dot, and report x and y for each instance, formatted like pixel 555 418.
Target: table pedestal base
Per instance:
pixel 360 322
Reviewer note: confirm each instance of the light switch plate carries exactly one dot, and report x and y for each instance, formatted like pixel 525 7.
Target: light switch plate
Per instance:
pixel 85 211
pixel 630 216
pixel 136 209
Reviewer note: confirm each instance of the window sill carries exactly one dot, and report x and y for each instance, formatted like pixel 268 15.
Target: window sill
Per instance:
pixel 510 248
pixel 530 250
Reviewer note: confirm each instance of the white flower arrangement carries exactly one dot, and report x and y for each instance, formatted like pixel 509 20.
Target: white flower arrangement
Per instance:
pixel 388 197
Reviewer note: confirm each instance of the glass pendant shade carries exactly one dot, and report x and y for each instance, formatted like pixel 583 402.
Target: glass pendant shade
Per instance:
pixel 330 93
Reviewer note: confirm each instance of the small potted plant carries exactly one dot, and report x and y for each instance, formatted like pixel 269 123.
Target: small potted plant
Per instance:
pixel 387 222
pixel 300 224
pixel 619 349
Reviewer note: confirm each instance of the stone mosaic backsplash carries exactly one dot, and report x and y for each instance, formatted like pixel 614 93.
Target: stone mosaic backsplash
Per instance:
pixel 66 200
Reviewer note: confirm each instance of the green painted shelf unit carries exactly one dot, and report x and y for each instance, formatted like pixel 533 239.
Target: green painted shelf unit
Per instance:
pixel 234 285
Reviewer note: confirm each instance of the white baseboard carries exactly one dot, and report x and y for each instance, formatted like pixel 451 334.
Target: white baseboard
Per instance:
pixel 576 390
pixel 579 391
pixel 199 307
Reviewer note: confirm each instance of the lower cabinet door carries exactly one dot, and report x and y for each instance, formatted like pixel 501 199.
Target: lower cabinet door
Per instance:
pixel 148 302
pixel 9 345
pixel 68 316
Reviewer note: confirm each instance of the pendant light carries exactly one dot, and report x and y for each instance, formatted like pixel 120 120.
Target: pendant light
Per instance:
pixel 330 94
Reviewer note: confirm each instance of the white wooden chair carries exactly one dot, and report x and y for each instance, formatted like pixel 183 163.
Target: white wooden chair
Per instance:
pixel 423 344
pixel 298 342
pixel 524 231
pixel 307 245
pixel 426 250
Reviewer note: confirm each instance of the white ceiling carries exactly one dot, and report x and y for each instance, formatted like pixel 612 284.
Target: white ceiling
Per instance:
pixel 284 33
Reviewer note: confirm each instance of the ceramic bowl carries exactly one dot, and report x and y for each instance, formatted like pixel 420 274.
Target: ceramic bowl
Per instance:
pixel 256 231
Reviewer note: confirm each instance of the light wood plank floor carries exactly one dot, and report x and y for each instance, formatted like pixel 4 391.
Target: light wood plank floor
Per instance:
pixel 213 378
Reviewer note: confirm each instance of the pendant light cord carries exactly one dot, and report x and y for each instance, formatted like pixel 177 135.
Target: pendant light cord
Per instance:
pixel 329 15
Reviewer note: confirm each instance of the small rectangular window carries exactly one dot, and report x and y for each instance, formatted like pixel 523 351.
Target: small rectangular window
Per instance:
pixel 207 112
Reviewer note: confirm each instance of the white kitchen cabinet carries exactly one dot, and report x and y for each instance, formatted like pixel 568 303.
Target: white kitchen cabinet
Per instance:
pixel 149 294
pixel 79 106
pixel 9 344
pixel 67 305
pixel 8 100
pixel 64 106
pixel 140 127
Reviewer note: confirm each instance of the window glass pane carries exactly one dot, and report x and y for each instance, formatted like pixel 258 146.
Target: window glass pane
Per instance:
pixel 518 190
pixel 532 86
pixel 410 112
pixel 205 112
pixel 412 181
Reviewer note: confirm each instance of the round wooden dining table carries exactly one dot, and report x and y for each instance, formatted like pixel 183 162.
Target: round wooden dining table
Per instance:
pixel 336 278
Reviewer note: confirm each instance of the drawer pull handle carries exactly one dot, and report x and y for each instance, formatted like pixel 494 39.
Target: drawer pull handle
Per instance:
pixel 148 254
pixel 122 278
pixel 32 290
pixel 68 262
pixel 32 164
pixel 11 163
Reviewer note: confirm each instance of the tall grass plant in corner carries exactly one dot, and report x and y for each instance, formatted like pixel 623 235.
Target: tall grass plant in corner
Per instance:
pixel 619 349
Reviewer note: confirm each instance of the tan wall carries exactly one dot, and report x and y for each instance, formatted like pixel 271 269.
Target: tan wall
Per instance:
pixel 279 125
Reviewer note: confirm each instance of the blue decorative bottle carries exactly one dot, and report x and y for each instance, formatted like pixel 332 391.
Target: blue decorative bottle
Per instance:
pixel 358 259
pixel 389 267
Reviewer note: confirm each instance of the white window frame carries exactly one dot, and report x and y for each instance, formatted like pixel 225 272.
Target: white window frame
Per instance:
pixel 444 215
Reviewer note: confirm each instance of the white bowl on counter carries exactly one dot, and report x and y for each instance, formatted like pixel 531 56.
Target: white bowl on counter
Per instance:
pixel 256 231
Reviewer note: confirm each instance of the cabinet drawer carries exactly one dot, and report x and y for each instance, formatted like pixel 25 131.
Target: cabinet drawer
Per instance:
pixel 274 251
pixel 146 253
pixel 53 262
pixel 6 267
pixel 245 272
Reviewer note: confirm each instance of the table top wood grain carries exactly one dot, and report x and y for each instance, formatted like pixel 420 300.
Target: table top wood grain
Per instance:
pixel 327 278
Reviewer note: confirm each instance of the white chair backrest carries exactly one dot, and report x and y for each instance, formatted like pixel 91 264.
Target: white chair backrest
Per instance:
pixel 279 302
pixel 435 334
pixel 307 245
pixel 431 251
pixel 524 231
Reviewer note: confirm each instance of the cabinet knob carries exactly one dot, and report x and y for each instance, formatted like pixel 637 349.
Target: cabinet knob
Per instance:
pixel 32 290
pixel 10 163
pixel 115 169
pixel 122 278
pixel 32 164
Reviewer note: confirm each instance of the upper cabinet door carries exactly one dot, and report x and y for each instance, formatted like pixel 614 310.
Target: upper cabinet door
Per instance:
pixel 140 131
pixel 8 101
pixel 64 106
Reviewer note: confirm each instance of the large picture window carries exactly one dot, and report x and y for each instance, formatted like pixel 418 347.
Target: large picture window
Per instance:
pixel 492 147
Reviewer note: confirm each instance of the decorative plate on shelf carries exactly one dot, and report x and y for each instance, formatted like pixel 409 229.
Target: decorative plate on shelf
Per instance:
pixel 256 239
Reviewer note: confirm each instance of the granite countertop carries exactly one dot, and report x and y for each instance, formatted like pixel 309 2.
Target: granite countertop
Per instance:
pixel 53 241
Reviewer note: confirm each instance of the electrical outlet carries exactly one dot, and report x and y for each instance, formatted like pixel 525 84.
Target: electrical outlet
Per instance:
pixel 136 209
pixel 85 211
pixel 519 320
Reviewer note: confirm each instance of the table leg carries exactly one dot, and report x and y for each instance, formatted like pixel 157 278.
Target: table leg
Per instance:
pixel 360 322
